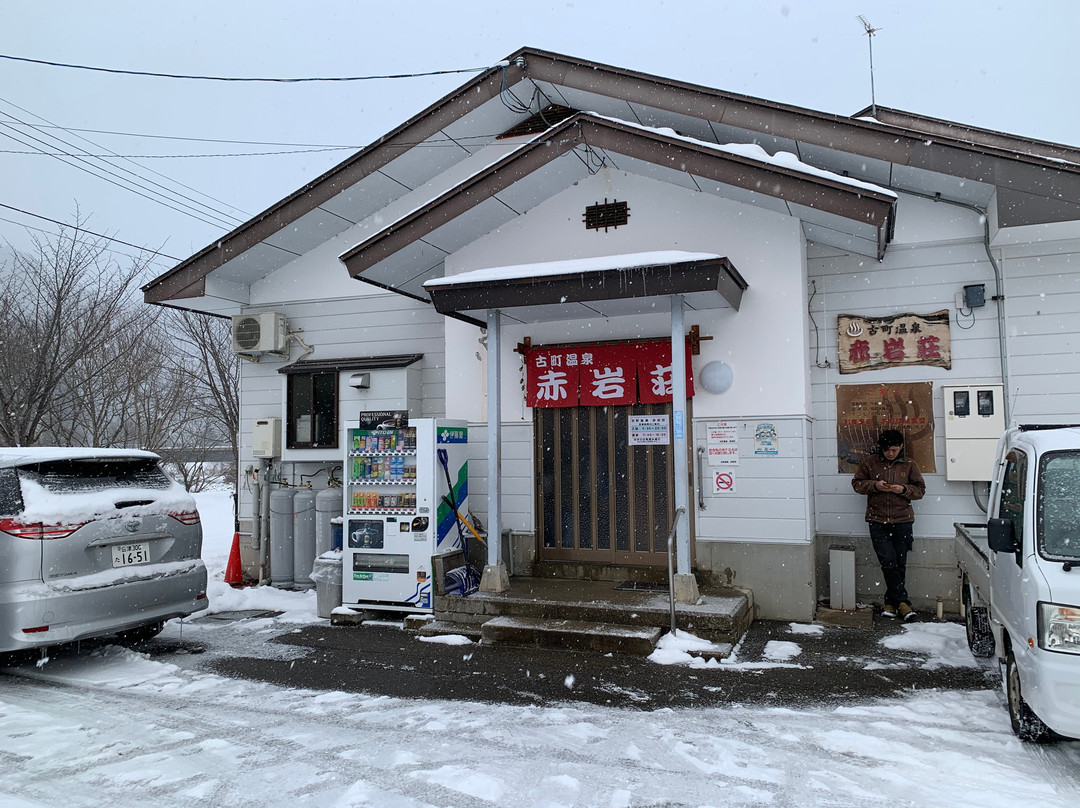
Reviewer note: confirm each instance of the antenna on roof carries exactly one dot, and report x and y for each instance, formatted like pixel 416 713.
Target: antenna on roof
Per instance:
pixel 870 31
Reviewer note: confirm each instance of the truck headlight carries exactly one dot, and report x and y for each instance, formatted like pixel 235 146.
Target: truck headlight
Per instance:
pixel 1059 628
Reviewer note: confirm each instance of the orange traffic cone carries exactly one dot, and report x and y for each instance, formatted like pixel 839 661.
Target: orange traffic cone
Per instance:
pixel 234 571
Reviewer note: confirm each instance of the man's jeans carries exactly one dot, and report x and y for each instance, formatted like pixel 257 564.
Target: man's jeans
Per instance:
pixel 892 544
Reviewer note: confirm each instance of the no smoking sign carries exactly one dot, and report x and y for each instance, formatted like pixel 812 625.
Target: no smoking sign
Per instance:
pixel 723 483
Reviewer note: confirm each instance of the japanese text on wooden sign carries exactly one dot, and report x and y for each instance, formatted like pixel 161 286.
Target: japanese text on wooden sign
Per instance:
pixel 873 343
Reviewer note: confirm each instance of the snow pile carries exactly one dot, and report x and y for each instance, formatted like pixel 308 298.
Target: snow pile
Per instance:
pixel 683 648
pixel 448 639
pixel 781 650
pixel 215 509
pixel 944 644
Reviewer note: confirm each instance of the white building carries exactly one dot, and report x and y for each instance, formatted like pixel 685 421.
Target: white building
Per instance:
pixel 597 196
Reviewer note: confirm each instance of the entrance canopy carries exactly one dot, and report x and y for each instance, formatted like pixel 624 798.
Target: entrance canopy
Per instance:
pixel 606 286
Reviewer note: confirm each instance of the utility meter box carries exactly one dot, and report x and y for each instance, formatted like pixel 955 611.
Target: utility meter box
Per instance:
pixel 266 438
pixel 974 420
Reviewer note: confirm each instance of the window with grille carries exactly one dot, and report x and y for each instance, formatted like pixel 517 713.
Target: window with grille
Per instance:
pixel 606 215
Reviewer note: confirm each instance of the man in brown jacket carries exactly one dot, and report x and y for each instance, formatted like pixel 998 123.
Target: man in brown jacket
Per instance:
pixel 891 483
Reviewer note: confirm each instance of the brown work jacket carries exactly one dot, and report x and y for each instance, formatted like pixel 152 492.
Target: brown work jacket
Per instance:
pixel 885 506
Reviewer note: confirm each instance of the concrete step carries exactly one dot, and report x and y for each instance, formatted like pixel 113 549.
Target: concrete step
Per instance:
pixel 573 634
pixel 443 628
pixel 719 616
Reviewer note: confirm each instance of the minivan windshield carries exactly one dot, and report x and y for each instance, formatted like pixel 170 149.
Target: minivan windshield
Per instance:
pixel 1059 506
pixel 83 475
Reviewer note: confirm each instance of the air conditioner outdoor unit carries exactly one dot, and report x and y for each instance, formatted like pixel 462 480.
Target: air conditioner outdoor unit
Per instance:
pixel 254 334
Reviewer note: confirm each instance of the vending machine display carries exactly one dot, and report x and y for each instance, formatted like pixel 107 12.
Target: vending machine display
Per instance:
pixel 398 509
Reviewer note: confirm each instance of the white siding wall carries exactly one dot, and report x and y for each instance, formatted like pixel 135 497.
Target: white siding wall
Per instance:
pixel 1042 301
pixel 517 474
pixel 373 325
pixel 772 500
pixel 765 342
pixel 938 250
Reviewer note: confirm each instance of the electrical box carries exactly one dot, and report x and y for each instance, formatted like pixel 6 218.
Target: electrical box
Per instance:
pixel 266 438
pixel 975 296
pixel 974 420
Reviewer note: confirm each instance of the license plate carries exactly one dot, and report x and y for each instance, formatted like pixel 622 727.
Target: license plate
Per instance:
pixel 124 555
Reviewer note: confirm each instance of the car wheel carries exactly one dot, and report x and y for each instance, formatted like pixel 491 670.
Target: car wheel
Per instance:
pixel 1027 726
pixel 980 638
pixel 135 636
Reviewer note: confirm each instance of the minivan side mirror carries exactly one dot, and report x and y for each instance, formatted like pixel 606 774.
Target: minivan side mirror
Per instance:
pixel 1001 535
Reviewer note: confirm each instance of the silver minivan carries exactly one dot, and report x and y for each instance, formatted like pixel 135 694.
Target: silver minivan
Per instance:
pixel 93 542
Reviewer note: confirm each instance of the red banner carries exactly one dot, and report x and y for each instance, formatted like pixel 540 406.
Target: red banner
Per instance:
pixel 599 375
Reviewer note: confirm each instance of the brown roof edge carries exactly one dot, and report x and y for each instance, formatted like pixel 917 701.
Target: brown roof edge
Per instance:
pixel 862 204
pixel 372 157
pixel 865 137
pixel 760 115
pixel 973 135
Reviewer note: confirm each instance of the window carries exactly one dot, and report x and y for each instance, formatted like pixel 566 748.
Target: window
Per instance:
pixel 1059 506
pixel 311 411
pixel 1013 493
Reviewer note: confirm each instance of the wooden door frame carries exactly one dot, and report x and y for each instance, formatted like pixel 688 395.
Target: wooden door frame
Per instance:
pixel 611 555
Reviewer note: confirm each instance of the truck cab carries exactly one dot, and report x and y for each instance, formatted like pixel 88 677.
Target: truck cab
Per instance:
pixel 1033 533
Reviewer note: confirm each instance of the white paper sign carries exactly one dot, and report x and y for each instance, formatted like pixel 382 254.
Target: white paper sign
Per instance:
pixel 766 441
pixel 649 430
pixel 722 443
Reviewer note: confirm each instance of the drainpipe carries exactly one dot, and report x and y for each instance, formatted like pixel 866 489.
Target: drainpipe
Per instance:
pixel 999 289
pixel 264 493
pixel 256 509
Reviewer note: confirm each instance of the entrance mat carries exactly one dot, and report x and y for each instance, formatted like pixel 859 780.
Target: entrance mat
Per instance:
pixel 642 586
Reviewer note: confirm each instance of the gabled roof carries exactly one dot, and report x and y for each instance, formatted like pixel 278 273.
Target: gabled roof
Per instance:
pixel 409 251
pixel 964 165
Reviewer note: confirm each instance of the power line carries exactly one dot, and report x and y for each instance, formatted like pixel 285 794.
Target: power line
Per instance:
pixel 444 141
pixel 112 155
pixel 242 78
pixel 120 181
pixel 24 226
pixel 84 230
pixel 195 139
pixel 95 171
pixel 158 173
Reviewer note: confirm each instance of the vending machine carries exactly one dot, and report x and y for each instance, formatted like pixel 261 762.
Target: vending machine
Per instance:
pixel 405 479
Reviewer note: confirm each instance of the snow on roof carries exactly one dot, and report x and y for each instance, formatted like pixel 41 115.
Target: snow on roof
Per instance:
pixel 573 266
pixel 781 159
pixel 26 455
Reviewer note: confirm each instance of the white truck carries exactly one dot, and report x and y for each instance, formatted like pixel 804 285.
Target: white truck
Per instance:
pixel 1020 579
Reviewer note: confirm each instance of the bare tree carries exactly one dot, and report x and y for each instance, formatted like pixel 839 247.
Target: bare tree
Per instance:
pixel 208 369
pixel 83 362
pixel 62 304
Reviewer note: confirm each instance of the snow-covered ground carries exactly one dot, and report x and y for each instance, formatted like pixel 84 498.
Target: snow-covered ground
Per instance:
pixel 118 728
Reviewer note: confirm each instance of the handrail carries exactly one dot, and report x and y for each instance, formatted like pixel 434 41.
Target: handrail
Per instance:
pixel 680 511
pixel 700 478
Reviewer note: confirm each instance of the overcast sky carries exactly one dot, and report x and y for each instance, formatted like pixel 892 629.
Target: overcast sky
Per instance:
pixel 1008 65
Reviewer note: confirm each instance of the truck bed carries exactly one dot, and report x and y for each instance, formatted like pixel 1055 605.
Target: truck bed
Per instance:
pixel 973 556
